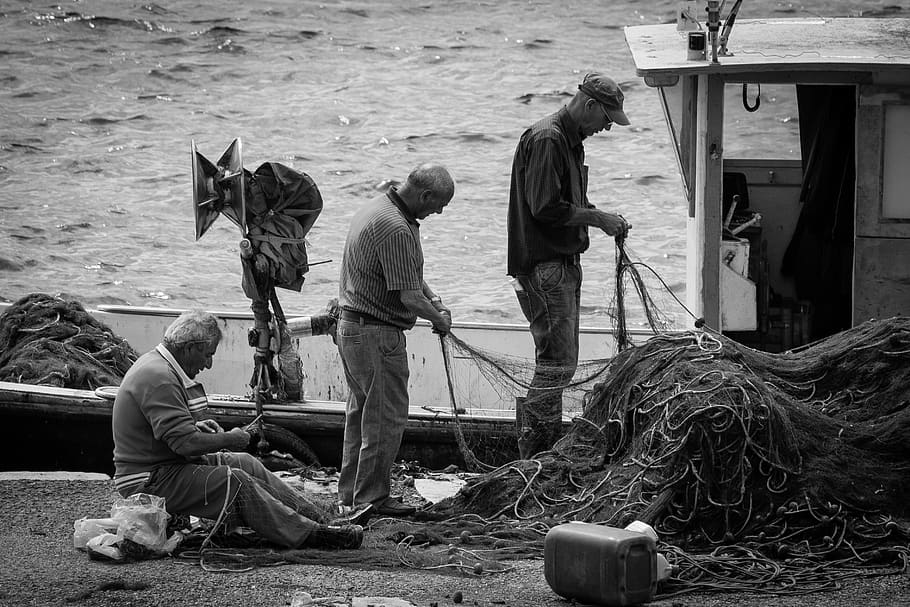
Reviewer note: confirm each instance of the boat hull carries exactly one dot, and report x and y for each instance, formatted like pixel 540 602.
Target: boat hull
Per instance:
pixel 50 428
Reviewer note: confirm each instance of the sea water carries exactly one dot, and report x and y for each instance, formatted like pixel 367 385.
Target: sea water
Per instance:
pixel 100 100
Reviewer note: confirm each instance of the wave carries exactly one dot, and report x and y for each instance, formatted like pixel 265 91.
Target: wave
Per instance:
pixel 649 179
pixel 98 22
pixel 296 36
pixel 8 265
pixel 72 227
pixel 75 167
pixel 890 10
pixel 96 120
pixel 24 147
pixel 357 12
pixel 529 97
pixel 219 30
pixel 464 137
pixel 164 75
pixel 170 41
pixel 534 44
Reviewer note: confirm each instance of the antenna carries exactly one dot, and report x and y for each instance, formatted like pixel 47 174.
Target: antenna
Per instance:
pixel 728 27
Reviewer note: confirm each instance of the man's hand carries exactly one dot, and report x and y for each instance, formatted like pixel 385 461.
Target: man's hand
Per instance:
pixel 443 327
pixel 209 426
pixel 239 436
pixel 613 224
pixel 431 308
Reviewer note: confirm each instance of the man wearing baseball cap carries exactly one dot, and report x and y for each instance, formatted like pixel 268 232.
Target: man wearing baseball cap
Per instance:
pixel 548 221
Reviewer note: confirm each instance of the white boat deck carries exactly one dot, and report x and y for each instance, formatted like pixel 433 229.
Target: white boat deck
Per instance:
pixel 757 45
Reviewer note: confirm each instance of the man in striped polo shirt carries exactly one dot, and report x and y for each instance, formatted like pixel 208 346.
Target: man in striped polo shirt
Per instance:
pixel 165 446
pixel 548 221
pixel 381 293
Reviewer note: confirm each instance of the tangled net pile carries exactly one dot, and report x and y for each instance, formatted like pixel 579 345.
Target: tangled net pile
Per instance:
pixel 796 463
pixel 53 341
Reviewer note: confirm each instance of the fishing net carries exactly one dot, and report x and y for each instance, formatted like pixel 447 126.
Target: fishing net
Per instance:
pixel 489 438
pixel 798 461
pixel 783 473
pixel 53 341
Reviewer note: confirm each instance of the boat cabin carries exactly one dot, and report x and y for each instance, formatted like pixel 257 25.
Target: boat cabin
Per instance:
pixel 793 143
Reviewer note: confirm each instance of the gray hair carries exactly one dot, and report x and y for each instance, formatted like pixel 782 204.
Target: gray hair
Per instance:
pixel 193 326
pixel 433 177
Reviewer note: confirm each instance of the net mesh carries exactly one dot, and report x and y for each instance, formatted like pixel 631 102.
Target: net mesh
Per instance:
pixel 53 341
pixel 795 461
pixel 782 473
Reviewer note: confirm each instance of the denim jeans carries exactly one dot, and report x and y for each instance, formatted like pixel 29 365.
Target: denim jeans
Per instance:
pixel 550 299
pixel 375 361
pixel 238 485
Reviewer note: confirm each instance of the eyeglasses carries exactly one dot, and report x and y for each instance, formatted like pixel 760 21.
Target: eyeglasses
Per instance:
pixel 609 121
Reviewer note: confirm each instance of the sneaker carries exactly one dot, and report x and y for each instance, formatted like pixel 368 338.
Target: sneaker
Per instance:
pixel 328 536
pixel 393 507
pixel 357 515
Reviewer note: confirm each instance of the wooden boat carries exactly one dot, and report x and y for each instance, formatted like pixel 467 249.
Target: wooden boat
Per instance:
pixel 833 233
pixel 74 425
pixel 756 271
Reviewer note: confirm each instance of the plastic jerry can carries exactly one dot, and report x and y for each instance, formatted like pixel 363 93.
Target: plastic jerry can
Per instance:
pixel 600 565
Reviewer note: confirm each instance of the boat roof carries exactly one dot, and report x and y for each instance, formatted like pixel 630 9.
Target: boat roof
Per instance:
pixel 785 50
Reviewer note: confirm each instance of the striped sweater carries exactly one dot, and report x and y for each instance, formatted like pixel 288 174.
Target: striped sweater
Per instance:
pixel 153 415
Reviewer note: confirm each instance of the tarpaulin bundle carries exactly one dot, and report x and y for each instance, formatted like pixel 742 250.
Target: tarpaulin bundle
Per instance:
pixel 282 204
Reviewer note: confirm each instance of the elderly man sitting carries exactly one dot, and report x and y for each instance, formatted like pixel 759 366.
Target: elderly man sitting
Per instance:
pixel 164 447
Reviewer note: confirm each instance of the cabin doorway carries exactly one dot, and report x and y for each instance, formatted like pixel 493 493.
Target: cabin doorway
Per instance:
pixel 802 182
pixel 819 257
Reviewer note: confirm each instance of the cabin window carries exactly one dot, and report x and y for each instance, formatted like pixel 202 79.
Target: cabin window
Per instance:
pixel 895 177
pixel 771 131
pixel 673 105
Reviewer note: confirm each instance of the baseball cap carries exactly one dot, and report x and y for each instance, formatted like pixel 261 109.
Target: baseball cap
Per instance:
pixel 605 91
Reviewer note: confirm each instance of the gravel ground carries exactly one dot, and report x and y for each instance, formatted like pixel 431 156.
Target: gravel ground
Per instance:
pixel 40 567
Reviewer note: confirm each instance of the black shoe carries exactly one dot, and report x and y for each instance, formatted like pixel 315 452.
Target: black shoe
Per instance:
pixel 358 515
pixel 327 536
pixel 392 507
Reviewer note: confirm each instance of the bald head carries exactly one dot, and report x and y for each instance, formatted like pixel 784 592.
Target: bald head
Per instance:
pixel 433 177
pixel 428 189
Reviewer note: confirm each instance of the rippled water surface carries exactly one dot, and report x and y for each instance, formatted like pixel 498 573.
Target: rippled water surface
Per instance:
pixel 101 99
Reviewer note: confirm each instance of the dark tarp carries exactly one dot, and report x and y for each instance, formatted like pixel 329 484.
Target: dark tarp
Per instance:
pixel 282 204
pixel 820 254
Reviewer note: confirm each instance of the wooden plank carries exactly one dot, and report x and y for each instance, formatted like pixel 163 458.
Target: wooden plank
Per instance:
pixel 687 143
pixel 880 285
pixel 703 259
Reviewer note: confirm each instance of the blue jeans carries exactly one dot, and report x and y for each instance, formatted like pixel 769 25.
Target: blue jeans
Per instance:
pixel 239 486
pixel 375 360
pixel 550 300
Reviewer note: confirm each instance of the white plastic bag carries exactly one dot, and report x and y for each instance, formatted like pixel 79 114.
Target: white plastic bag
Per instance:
pixel 142 518
pixel 87 528
pixel 105 545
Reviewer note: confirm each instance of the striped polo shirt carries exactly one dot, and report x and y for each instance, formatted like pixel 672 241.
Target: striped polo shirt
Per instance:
pixel 382 256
